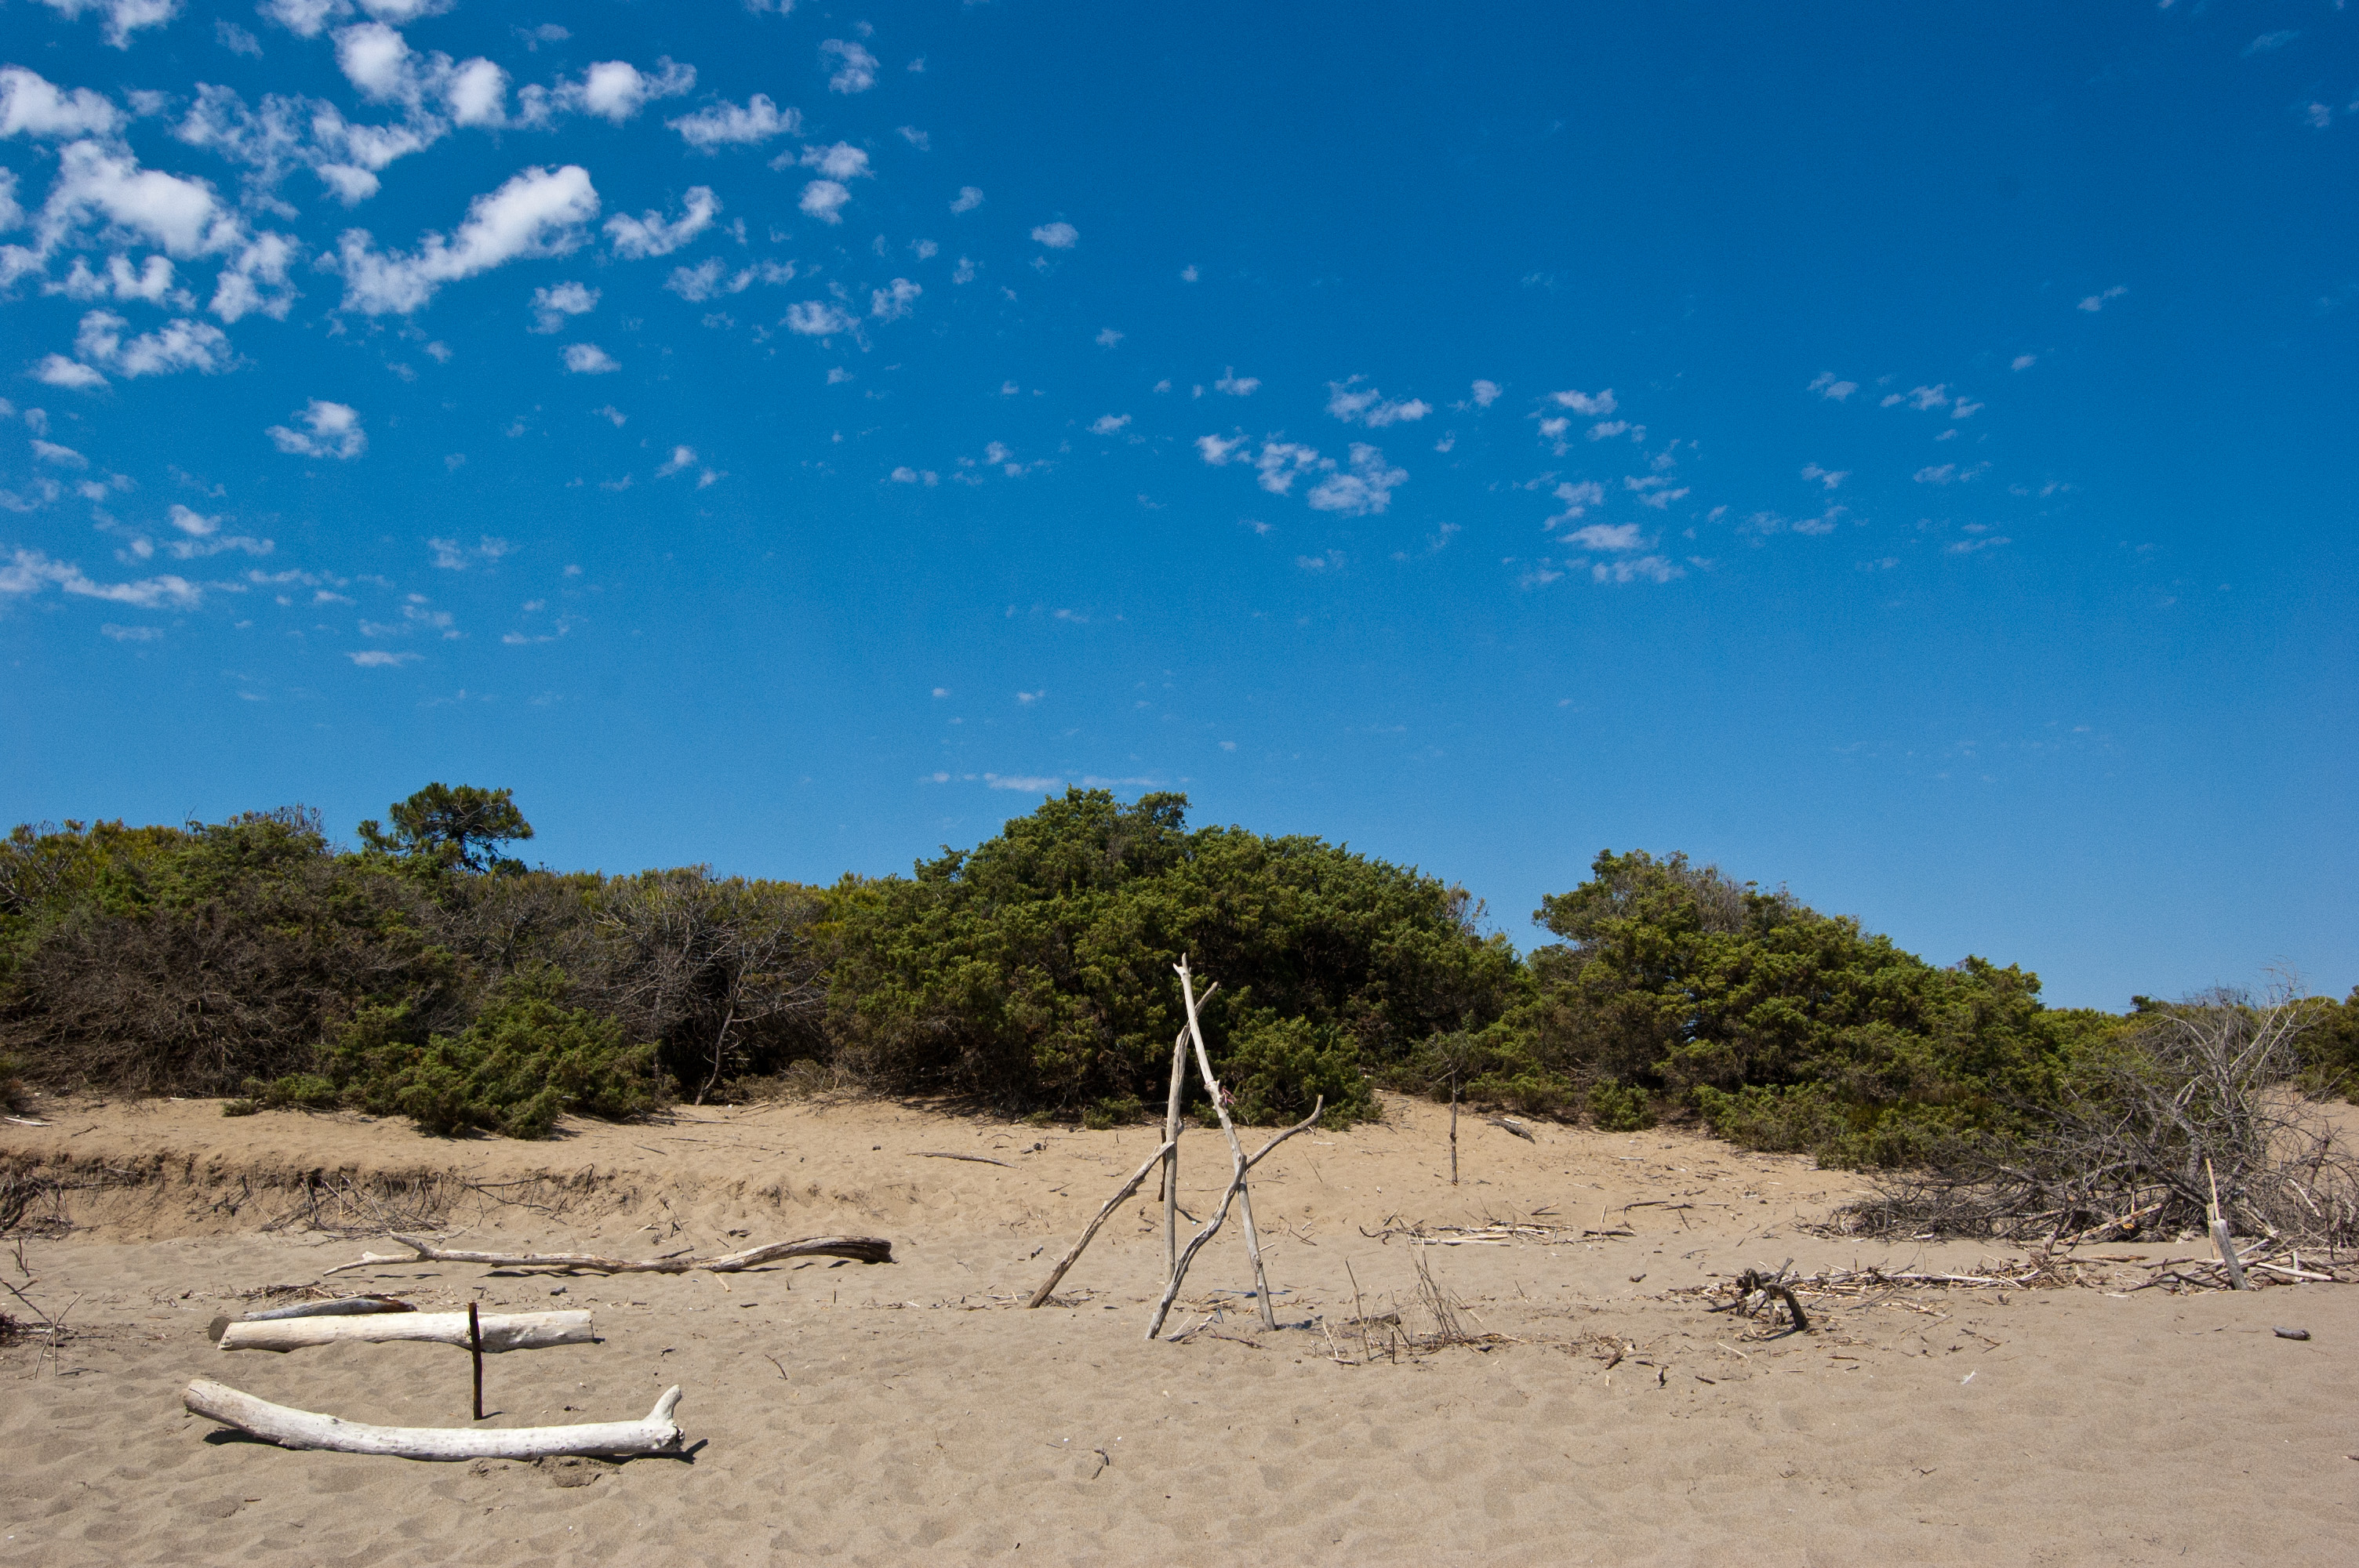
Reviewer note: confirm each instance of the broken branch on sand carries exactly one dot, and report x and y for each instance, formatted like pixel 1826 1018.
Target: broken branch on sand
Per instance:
pixel 972 1159
pixel 1112 1203
pixel 859 1248
pixel 290 1427
pixel 509 1330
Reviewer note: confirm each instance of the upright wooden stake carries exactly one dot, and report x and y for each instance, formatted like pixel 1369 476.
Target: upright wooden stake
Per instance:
pixel 1236 1149
pixel 1171 1156
pixel 475 1345
pixel 2220 1238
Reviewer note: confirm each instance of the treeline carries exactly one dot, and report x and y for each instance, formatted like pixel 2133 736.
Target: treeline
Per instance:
pixel 427 974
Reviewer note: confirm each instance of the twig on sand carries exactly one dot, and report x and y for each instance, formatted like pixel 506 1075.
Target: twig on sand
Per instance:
pixel 972 1159
pixel 859 1248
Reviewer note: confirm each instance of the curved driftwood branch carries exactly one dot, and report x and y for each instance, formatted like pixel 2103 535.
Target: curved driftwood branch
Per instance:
pixel 860 1248
pixel 513 1331
pixel 1112 1203
pixel 343 1306
pixel 1236 1184
pixel 1236 1149
pixel 658 1433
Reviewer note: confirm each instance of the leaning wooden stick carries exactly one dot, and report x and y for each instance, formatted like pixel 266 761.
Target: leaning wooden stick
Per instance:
pixel 658 1433
pixel 2220 1234
pixel 507 1331
pixel 860 1248
pixel 475 1354
pixel 1196 1242
pixel 1171 1155
pixel 1236 1149
pixel 1112 1203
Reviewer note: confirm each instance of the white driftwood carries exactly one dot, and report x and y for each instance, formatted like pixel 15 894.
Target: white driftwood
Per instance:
pixel 511 1331
pixel 861 1249
pixel 1112 1203
pixel 658 1433
pixel 1236 1149
pixel 1236 1183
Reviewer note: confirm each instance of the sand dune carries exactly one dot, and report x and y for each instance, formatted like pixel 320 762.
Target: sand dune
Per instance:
pixel 889 1413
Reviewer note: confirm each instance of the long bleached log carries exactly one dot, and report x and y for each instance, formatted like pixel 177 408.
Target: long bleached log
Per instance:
pixel 289 1428
pixel 510 1331
pixel 859 1248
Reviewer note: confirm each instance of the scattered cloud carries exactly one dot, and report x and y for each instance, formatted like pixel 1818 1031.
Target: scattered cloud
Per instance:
pixel 1826 385
pixel 854 68
pixel 682 458
pixel 27 572
pixel 1949 473
pixel 895 300
pixel 176 346
pixel 31 105
pixel 588 359
pixel 818 318
pixel 1109 424
pixel 2024 361
pixel 552 305
pixel 824 199
pixel 1582 403
pixel 968 199
pixel 1354 404
pixel 123 17
pixel 1485 394
pixel 330 430
pixel 381 659
pixel 1058 236
pixel 1364 488
pixel 650 234
pixel 1237 385
pixel 1108 338
pixel 2096 302
pixel 1831 477
pixel 541 213
pixel 2265 44
pixel 727 124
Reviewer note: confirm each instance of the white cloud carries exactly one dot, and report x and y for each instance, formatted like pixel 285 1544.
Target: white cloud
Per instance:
pixel 27 572
pixel 907 475
pixel 2096 302
pixel 1653 490
pixel 332 430
pixel 968 199
pixel 304 18
pixel 1606 536
pixel 840 161
pixel 1648 568
pixel 1577 498
pixel 63 457
pixel 1486 393
pixel 256 281
pixel 1949 473
pixel 894 301
pixel 1056 236
pixel 381 659
pixel 30 105
pixel 1109 424
pixel 725 124
pixel 124 17
pixel 182 217
pixel 855 67
pixel 1582 403
pixel 2024 361
pixel 616 90
pixel 609 412
pixel 1349 402
pixel 682 458
pixel 130 633
pixel 1364 489
pixel 588 359
pixel 1278 463
pixel 151 283
pixel 824 199
pixel 175 346
pixel 2262 45
pixel 1966 410
pixel 1827 386
pixel 1922 398
pixel 552 305
pixel 917 138
pixel 1219 451
pixel 1237 385
pixel 634 238
pixel 817 318
pixel 56 370
pixel 1831 477
pixel 537 213
pixel 476 93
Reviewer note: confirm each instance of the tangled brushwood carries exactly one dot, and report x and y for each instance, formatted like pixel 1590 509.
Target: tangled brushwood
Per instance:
pixel 2198 1102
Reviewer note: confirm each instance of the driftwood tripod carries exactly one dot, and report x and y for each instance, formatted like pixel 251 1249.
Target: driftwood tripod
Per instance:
pixel 1176 1259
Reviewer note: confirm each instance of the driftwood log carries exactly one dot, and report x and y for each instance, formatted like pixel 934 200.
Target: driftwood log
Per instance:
pixel 860 1248
pixel 1237 1186
pixel 657 1434
pixel 511 1331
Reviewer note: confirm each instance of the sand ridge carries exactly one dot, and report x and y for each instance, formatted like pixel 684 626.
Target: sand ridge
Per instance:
pixel 869 1414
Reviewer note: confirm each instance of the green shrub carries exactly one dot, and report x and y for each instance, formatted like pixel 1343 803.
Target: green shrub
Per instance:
pixel 1620 1107
pixel 525 1061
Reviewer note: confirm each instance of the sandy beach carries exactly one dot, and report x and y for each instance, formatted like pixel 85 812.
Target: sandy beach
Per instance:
pixel 916 1409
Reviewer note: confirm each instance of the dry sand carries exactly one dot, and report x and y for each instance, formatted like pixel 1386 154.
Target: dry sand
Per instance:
pixel 914 1410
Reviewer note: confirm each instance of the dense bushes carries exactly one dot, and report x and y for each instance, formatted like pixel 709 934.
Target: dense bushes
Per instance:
pixel 1036 971
pixel 429 975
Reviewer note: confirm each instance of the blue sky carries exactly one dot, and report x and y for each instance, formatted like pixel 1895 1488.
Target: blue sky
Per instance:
pixel 1902 452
